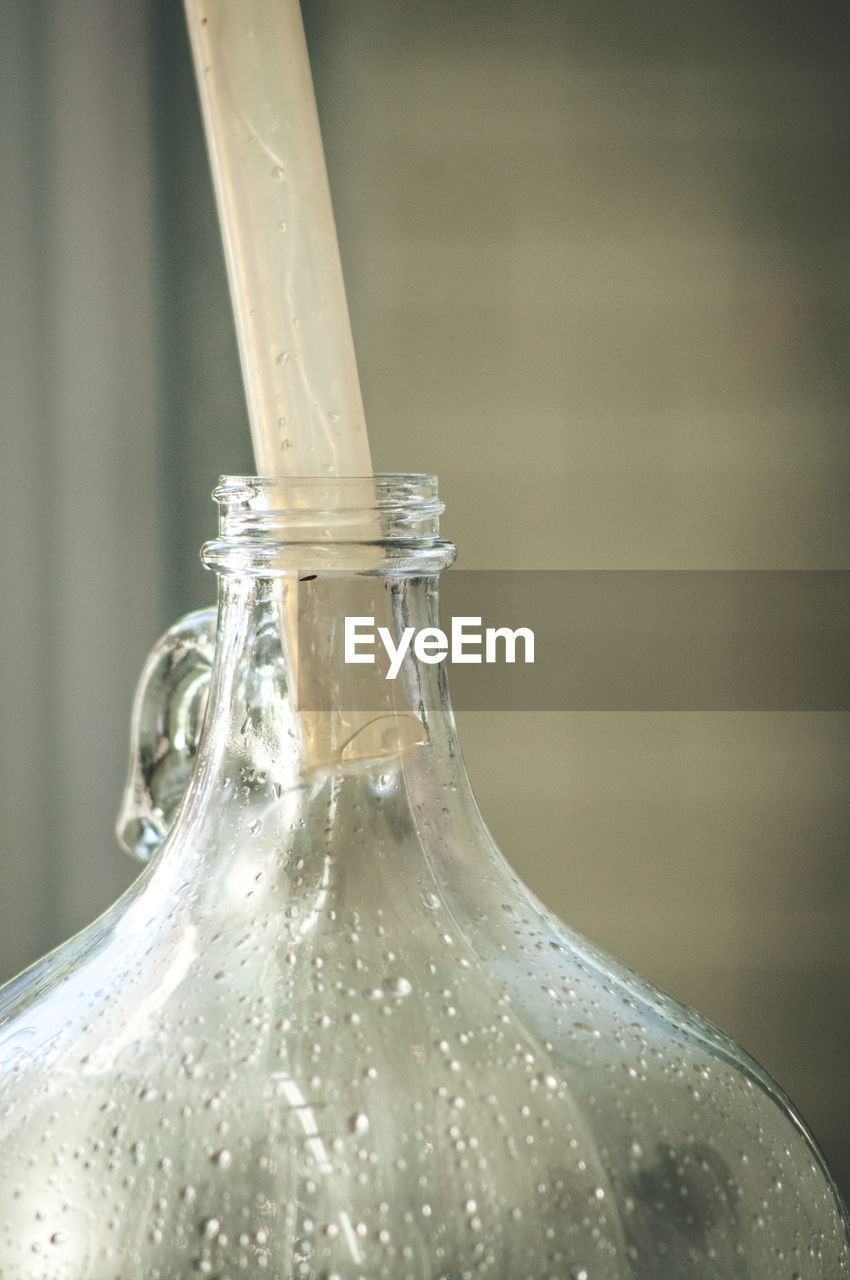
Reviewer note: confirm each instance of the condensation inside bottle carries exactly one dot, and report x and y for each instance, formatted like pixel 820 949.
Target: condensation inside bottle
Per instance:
pixel 328 1033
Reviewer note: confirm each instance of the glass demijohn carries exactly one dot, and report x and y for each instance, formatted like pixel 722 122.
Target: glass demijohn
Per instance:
pixel 327 1034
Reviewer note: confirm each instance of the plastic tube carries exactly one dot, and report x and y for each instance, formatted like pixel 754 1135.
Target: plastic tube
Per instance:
pixel 280 241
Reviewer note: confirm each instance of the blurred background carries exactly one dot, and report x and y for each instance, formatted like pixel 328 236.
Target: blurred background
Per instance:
pixel 598 264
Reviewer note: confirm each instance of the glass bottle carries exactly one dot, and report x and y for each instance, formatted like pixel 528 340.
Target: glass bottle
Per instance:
pixel 327 1033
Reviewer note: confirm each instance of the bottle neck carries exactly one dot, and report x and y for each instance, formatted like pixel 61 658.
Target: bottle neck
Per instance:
pixel 291 695
pixel 304 564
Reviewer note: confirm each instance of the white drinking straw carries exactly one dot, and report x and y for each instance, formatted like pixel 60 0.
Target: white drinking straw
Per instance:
pixel 279 237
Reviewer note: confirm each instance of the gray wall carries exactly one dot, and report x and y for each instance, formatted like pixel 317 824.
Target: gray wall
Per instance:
pixel 597 261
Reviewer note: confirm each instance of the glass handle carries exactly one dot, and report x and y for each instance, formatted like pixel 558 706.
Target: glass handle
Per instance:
pixel 168 713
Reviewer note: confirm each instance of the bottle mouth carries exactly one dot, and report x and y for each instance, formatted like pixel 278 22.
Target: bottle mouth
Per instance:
pixel 271 525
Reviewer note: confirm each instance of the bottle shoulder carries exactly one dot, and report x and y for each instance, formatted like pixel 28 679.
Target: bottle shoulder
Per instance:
pixel 321 1029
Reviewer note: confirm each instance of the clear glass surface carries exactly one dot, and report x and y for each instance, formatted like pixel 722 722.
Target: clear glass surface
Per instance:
pixel 329 1034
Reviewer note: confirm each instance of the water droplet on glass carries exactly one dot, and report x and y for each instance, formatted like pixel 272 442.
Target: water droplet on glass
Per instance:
pixel 223 1158
pixel 359 1123
pixel 278 173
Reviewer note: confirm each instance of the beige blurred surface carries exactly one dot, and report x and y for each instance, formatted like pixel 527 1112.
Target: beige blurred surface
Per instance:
pixel 597 261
